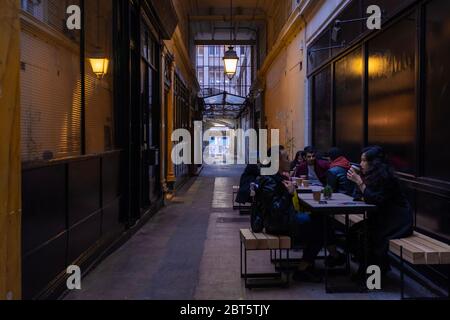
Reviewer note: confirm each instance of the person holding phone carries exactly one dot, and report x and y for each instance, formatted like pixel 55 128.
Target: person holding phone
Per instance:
pixel 377 185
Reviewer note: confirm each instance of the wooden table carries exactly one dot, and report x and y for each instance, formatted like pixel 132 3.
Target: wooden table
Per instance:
pixel 339 204
pixel 301 190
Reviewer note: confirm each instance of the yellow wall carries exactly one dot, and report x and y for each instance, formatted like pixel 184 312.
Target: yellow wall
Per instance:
pixel 10 200
pixel 184 63
pixel 285 94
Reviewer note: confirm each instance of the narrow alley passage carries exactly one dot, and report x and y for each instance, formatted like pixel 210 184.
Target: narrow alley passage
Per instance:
pixel 190 251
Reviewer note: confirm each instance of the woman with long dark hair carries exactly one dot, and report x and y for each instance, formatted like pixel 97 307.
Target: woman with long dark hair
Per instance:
pixel 393 219
pixel 299 159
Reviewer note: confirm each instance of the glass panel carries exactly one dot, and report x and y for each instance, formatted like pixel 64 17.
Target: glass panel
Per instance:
pixel 99 87
pixel 319 51
pixel 392 98
pixel 431 215
pixel 349 108
pixel 322 110
pixel 388 7
pixel 437 152
pixel 50 81
pixel 214 99
pixel 234 99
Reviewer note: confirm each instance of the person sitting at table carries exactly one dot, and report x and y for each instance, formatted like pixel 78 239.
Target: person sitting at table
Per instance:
pixel 280 218
pixel 314 169
pixel 393 219
pixel 300 157
pixel 337 174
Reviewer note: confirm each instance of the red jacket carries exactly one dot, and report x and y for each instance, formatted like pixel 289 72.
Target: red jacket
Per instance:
pixel 321 168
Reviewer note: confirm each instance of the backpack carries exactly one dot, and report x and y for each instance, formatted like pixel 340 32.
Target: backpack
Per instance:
pixel 261 217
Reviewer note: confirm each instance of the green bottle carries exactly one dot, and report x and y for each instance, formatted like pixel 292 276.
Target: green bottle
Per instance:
pixel 327 192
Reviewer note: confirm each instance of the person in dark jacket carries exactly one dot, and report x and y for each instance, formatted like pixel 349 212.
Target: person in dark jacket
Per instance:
pixel 314 169
pixel 280 218
pixel 337 174
pixel 251 173
pixel 393 219
pixel 300 157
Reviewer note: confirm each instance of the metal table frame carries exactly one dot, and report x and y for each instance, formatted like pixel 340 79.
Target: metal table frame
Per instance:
pixel 263 280
pixel 330 211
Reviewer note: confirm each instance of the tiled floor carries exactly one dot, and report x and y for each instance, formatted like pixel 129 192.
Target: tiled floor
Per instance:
pixel 188 251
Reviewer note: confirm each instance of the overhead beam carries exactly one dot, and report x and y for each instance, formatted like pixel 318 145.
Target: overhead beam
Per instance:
pixel 225 18
pixel 224 42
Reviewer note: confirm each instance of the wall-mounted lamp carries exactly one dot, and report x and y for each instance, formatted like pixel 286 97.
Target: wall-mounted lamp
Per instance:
pixel 99 66
pixel 336 30
pixel 98 60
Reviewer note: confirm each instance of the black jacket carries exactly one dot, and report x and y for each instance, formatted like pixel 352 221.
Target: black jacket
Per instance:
pixel 251 173
pixel 393 218
pixel 337 179
pixel 276 205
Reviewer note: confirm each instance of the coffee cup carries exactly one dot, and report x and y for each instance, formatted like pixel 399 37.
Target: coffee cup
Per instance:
pixel 317 194
pixel 356 169
pixel 306 183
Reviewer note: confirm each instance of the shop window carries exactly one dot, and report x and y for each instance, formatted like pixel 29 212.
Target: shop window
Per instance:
pixel 322 110
pixel 437 152
pixel 34 7
pixel 349 107
pixel 320 51
pixel 392 95
pixel 50 89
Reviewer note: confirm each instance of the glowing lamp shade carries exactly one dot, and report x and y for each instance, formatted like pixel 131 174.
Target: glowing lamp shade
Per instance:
pixel 99 66
pixel 230 61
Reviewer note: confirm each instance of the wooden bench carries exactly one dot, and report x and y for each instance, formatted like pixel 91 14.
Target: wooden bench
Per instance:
pixel 251 241
pixel 420 249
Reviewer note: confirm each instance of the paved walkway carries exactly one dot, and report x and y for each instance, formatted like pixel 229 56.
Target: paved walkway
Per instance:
pixel 190 250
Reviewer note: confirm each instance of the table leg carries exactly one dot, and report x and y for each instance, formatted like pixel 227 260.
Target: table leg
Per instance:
pixel 325 244
pixel 242 273
pixel 347 251
pixel 366 249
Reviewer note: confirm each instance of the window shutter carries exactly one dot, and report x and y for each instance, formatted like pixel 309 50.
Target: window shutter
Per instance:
pixel 50 99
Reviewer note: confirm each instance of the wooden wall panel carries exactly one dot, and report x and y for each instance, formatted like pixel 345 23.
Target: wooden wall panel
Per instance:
pixel 10 203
